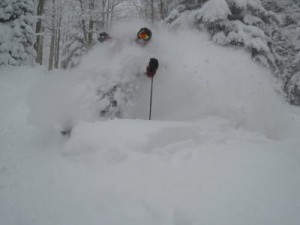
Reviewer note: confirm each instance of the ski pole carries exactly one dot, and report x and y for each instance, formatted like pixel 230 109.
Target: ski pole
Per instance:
pixel 151 93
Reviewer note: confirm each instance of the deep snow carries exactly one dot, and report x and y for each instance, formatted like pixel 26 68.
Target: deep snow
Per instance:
pixel 222 148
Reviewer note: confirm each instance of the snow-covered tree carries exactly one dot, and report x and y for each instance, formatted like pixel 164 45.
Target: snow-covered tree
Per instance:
pixel 16 32
pixel 286 41
pixel 244 23
pixel 293 89
pixel 85 18
pixel 80 26
pixel 268 29
pixel 73 50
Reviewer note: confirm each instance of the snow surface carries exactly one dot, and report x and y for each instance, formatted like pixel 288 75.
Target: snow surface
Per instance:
pixel 222 148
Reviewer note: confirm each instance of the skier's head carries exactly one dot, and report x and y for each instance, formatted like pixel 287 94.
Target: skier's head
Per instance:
pixel 103 37
pixel 144 34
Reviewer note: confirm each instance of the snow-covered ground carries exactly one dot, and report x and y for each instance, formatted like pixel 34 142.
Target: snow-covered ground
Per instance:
pixel 222 148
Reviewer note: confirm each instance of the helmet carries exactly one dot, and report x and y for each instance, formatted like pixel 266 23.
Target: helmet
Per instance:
pixel 103 37
pixel 144 34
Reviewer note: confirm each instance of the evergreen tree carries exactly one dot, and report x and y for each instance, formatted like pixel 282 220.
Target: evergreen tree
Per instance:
pixel 16 32
pixel 73 51
pixel 232 23
pixel 286 40
pixel 82 24
pixel 268 29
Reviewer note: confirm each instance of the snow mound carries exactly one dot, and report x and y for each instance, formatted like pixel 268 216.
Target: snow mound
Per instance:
pixel 116 140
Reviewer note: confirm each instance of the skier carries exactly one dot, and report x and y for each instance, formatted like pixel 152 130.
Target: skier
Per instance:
pixel 144 36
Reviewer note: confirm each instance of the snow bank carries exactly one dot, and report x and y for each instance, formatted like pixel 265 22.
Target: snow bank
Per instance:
pixel 179 173
pixel 154 172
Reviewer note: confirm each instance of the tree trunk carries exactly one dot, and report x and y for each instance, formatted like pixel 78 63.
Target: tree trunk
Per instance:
pixel 162 9
pixel 38 45
pixel 152 11
pixel 90 35
pixel 91 23
pixel 83 24
pixel 52 43
pixel 112 14
pixel 107 15
pixel 57 45
pixel 103 13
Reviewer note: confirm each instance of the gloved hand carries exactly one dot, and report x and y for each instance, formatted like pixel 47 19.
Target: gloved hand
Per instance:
pixel 150 72
pixel 152 67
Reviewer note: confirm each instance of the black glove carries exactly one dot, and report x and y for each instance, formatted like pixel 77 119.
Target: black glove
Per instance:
pixel 152 67
pixel 103 37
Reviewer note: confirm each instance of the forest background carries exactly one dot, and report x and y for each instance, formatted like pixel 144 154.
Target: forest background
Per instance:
pixel 58 33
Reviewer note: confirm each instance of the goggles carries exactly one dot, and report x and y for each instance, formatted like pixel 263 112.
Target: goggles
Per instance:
pixel 143 35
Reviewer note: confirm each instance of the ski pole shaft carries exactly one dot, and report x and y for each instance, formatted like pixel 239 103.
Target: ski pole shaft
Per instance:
pixel 151 93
